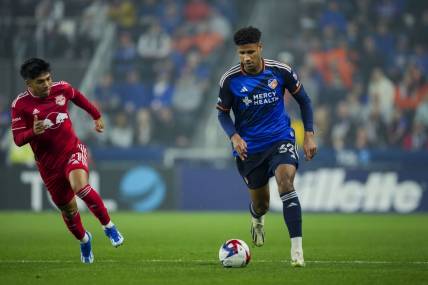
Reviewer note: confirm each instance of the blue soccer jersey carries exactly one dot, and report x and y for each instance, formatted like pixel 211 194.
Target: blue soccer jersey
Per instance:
pixel 257 102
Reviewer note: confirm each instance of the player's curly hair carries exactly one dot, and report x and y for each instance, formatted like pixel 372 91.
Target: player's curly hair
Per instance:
pixel 33 68
pixel 247 35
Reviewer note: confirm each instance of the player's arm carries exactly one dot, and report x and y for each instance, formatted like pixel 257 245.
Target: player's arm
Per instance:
pixel 299 94
pixel 80 100
pixel 22 131
pixel 309 145
pixel 224 104
pixel 229 128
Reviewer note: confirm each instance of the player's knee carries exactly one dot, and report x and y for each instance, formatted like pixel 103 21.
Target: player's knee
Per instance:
pixel 78 185
pixel 78 180
pixel 285 184
pixel 69 213
pixel 69 210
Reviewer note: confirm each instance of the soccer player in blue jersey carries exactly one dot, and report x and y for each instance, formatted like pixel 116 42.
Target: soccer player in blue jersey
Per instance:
pixel 262 138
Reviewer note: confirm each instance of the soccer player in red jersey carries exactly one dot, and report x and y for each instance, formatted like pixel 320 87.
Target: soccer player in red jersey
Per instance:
pixel 40 117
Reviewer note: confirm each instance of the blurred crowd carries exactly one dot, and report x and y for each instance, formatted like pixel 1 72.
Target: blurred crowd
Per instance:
pixel 162 64
pixel 163 57
pixel 365 65
pixel 50 28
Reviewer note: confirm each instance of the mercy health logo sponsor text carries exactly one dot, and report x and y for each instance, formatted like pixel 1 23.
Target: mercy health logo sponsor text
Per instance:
pixel 261 98
pixel 329 190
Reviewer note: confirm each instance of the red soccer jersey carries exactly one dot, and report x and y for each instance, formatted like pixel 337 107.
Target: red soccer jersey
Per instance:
pixel 53 147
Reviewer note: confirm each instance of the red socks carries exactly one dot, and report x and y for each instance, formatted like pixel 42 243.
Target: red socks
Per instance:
pixel 95 203
pixel 75 226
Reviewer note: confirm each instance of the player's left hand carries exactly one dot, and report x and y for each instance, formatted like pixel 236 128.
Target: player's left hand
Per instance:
pixel 99 125
pixel 309 145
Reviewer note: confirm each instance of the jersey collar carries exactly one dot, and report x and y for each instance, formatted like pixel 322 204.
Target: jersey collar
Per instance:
pixel 34 96
pixel 31 93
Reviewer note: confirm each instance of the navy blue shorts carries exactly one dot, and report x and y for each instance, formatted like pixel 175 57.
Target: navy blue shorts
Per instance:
pixel 257 168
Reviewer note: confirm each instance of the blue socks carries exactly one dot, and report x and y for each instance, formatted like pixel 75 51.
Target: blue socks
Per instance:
pixel 292 213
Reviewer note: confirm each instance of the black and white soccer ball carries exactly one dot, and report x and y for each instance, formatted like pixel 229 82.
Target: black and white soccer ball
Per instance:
pixel 234 253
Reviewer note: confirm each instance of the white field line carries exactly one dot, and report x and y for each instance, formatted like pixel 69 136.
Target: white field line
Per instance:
pixel 363 262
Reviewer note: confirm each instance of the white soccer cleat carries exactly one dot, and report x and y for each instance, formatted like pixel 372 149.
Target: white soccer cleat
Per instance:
pixel 297 258
pixel 257 230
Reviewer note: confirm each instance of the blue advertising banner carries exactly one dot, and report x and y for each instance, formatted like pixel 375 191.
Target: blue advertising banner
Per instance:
pixel 122 186
pixel 135 187
pixel 207 188
pixel 320 190
pixel 342 190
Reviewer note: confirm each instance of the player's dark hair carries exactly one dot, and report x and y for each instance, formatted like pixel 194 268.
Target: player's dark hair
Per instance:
pixel 247 35
pixel 33 68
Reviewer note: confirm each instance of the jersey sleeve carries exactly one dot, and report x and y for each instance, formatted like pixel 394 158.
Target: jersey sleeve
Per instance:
pixel 225 97
pixel 22 130
pixel 80 100
pixel 293 85
pixel 291 80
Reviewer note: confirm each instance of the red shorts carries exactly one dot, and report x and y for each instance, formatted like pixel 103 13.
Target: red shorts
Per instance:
pixel 56 180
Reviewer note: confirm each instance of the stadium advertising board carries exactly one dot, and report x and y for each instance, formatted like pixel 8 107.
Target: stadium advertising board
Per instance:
pixel 320 190
pixel 123 187
pixel 146 188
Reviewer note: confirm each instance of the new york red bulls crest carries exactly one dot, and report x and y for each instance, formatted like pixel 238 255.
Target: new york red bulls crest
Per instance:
pixel 60 100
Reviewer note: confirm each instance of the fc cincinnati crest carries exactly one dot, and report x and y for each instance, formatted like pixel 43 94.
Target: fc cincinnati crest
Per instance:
pixel 60 100
pixel 272 83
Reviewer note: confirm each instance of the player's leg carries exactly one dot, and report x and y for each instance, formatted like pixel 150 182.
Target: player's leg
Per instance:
pixel 78 179
pixel 284 175
pixel 64 198
pixel 258 208
pixel 254 171
pixel 71 216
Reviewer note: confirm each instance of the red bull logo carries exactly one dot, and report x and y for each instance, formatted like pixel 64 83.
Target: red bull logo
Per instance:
pixel 54 120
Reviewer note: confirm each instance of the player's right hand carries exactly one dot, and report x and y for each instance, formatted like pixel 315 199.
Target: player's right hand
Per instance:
pixel 309 145
pixel 239 145
pixel 38 127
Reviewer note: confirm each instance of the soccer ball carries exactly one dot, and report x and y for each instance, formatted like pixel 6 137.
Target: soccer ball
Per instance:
pixel 234 253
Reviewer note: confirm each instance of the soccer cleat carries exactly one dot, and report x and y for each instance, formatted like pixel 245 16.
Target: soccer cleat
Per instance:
pixel 114 235
pixel 86 254
pixel 257 230
pixel 297 258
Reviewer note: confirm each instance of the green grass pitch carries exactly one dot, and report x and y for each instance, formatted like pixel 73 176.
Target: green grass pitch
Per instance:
pixel 182 248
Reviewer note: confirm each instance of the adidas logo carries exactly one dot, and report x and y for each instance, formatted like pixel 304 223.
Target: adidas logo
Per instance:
pixel 292 204
pixel 244 89
pixel 35 112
